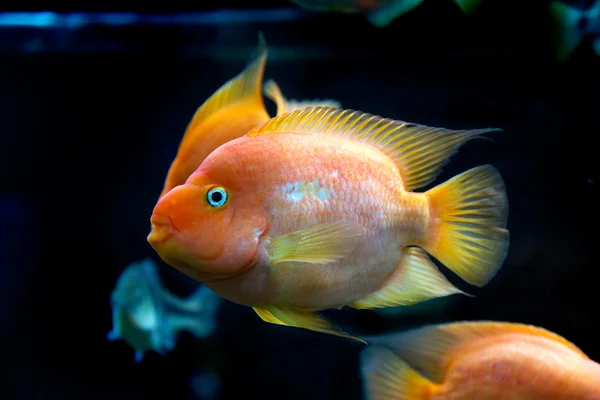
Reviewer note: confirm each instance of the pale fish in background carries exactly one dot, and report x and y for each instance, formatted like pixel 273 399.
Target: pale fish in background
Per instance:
pixel 481 360
pixel 148 317
pixel 573 25
pixel 378 12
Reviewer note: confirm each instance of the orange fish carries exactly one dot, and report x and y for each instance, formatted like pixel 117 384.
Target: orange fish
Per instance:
pixel 478 360
pixel 315 210
pixel 234 109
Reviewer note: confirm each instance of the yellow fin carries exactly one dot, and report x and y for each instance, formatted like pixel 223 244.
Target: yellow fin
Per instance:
pixel 468 6
pixel 266 316
pixel 467 233
pixel 320 244
pixel 302 319
pixel 430 348
pixel 419 151
pixel 385 15
pixel 272 91
pixel 387 377
pixel 244 88
pixel 417 279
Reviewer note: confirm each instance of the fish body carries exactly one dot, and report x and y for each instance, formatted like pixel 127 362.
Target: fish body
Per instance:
pixel 478 360
pixel 315 210
pixel 305 186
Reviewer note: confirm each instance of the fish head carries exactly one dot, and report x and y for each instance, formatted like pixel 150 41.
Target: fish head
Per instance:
pixel 210 227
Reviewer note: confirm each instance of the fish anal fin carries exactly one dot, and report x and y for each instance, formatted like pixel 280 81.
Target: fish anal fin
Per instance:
pixel 319 244
pixel 244 88
pixel 387 377
pixel 419 151
pixel 417 279
pixel 302 319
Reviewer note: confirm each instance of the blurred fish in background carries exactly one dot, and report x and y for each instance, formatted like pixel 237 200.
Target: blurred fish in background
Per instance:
pixel 573 25
pixel 378 12
pixel 148 317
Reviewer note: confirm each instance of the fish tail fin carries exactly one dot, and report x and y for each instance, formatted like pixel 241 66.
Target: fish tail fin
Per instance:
pixel 567 33
pixel 467 225
pixel 468 6
pixel 385 15
pixel 387 377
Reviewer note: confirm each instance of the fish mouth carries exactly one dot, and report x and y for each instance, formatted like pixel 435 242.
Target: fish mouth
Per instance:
pixel 162 230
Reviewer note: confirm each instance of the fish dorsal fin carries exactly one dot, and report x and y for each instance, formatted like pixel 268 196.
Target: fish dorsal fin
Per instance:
pixel 272 91
pixel 419 151
pixel 244 88
pixel 430 348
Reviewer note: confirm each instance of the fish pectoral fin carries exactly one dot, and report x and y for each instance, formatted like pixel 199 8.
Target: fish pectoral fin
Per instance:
pixel 272 91
pixel 416 279
pixel 320 244
pixel 244 88
pixel 387 376
pixel 385 15
pixel 302 319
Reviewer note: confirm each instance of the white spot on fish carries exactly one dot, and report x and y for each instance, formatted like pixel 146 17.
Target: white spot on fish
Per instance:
pixel 312 190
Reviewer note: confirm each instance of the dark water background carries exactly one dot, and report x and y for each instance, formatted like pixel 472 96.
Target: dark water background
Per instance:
pixel 91 119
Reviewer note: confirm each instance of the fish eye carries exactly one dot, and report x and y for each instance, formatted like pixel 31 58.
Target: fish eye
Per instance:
pixel 216 197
